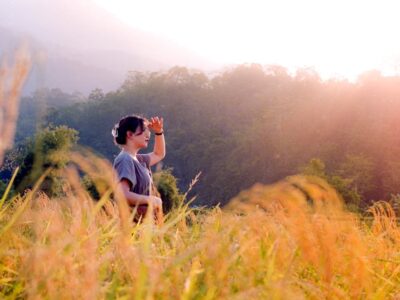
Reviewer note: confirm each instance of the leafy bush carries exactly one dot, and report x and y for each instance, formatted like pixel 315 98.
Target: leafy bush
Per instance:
pixel 166 185
pixel 49 150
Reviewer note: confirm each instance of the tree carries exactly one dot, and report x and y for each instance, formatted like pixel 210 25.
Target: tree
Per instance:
pixel 48 150
pixel 96 95
pixel 253 124
pixel 358 169
pixel 316 167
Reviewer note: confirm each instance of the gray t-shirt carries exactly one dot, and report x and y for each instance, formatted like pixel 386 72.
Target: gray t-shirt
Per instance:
pixel 135 170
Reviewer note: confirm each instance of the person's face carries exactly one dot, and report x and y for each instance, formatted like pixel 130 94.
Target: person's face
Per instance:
pixel 140 138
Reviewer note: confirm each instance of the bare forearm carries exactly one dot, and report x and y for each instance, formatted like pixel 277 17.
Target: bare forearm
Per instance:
pixel 135 199
pixel 159 145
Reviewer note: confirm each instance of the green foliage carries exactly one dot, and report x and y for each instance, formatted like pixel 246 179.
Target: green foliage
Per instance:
pixel 90 186
pixel 53 144
pixel 359 170
pixel 3 187
pixel 315 167
pixel 166 185
pixel 48 150
pixel 96 185
pixel 34 108
pixel 249 124
pixel 344 186
pixel 96 95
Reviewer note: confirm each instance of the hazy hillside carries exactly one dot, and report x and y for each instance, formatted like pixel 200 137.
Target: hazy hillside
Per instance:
pixel 250 124
pixel 77 45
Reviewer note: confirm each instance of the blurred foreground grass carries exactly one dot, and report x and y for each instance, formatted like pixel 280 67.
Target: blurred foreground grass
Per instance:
pixel 291 240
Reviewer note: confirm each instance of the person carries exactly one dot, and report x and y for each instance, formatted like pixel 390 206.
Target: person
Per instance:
pixel 133 173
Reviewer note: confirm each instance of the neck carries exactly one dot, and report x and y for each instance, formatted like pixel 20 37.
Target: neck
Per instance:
pixel 132 150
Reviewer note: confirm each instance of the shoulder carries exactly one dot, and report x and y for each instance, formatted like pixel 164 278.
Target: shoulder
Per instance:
pixel 123 157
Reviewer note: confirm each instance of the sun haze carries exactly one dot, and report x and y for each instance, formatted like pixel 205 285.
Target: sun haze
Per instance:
pixel 337 38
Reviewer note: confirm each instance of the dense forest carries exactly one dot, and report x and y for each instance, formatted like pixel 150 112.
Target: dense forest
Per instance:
pixel 246 125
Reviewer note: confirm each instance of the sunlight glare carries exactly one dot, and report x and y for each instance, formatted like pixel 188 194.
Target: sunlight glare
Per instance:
pixel 335 37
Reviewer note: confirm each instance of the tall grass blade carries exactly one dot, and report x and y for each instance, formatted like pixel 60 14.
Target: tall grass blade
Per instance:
pixel 4 197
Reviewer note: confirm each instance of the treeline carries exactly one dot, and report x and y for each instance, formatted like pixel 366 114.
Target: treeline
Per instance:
pixel 253 124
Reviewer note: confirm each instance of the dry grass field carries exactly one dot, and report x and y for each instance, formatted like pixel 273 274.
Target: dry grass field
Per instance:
pixel 291 240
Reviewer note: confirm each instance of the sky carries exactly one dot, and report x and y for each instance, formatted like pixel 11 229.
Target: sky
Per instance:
pixel 337 38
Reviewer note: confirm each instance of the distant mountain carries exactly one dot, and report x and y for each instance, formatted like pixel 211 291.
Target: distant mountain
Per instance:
pixel 78 46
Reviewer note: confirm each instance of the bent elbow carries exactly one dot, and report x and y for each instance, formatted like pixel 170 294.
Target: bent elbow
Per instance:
pixel 160 156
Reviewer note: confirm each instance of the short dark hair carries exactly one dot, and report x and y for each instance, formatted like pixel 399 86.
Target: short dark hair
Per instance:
pixel 127 123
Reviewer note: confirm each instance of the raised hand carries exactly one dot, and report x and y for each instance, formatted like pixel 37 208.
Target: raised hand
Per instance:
pixel 156 124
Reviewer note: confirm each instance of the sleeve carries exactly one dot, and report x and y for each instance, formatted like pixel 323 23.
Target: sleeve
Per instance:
pixel 125 169
pixel 144 158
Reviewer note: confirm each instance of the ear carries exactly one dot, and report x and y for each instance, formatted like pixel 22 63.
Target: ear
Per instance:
pixel 129 134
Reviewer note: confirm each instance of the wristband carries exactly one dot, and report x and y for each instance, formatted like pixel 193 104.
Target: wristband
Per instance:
pixel 159 133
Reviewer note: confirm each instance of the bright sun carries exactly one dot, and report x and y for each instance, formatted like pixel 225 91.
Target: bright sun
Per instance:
pixel 337 38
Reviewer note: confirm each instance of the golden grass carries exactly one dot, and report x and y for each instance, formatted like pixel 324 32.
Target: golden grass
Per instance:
pixel 291 240
pixel 11 82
